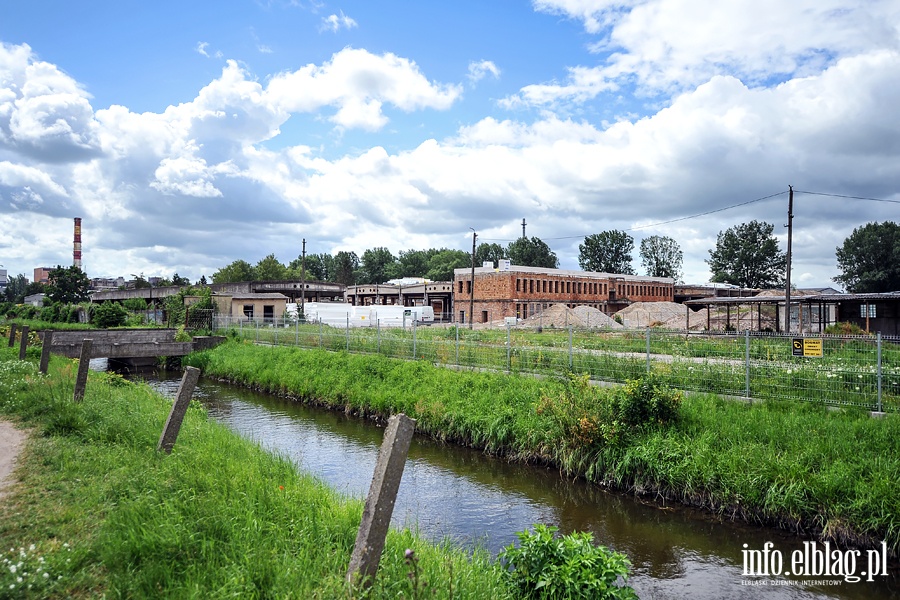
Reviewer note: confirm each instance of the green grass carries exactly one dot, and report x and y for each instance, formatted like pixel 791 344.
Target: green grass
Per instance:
pixel 798 465
pixel 104 514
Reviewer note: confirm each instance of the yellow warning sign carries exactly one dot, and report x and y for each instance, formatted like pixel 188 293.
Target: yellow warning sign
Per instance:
pixel 806 347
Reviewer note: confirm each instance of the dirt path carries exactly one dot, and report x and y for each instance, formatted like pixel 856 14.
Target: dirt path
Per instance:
pixel 12 441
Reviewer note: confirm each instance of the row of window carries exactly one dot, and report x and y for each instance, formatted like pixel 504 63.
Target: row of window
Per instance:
pixel 596 288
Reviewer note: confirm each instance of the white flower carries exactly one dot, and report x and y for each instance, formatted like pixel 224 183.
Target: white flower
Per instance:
pixel 12 568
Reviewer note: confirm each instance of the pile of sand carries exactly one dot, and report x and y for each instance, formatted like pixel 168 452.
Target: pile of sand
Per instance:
pixel 654 314
pixel 561 316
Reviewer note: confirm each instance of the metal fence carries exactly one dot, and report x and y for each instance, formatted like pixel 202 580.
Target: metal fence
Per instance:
pixel 862 371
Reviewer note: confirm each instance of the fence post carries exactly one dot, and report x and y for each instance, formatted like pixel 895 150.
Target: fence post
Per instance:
pixel 570 343
pixel 457 344
pixel 747 363
pixel 257 330
pixel 23 342
pixel 83 364
pixel 415 327
pixel 879 371
pixel 378 333
pixel 179 408
pixel 376 517
pixel 508 349
pixel 648 349
pixel 45 351
pixel 275 327
pixel 348 333
pixel 320 334
pixel 297 329
pixel 12 335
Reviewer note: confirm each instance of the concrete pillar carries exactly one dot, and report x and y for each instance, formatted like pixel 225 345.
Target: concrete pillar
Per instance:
pixel 376 516
pixel 45 351
pixel 12 335
pixel 23 343
pixel 179 408
pixel 83 364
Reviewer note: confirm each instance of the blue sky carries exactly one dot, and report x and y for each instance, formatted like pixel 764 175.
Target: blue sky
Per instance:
pixel 190 135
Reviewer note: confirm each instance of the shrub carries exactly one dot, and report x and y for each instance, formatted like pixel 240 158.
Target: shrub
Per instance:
pixel 845 329
pixel 546 566
pixel 109 314
pixel 135 304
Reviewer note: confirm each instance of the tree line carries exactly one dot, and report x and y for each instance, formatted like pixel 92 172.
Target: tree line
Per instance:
pixel 746 255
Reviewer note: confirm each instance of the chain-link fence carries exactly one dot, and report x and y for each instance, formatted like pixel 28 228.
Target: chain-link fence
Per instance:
pixel 861 371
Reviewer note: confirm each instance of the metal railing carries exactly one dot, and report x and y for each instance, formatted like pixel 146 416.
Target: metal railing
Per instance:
pixel 862 371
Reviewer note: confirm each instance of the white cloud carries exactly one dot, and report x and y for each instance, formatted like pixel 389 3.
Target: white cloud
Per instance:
pixel 201 48
pixel 479 70
pixel 336 22
pixel 674 45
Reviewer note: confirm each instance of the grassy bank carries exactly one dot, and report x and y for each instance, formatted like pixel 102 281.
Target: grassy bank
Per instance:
pixel 801 466
pixel 100 512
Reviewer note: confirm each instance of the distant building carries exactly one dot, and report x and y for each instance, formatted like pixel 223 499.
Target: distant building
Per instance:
pixel 42 274
pixel 4 280
pixel 35 300
pixel 516 291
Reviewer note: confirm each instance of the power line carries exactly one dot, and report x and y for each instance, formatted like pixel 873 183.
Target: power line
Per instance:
pixel 848 197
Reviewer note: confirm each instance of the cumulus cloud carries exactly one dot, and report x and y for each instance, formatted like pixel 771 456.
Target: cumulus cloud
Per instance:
pixel 664 46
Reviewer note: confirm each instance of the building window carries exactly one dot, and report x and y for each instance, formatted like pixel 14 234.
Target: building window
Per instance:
pixel 469 286
pixel 518 284
pixel 484 316
pixel 248 311
pixel 863 312
pixel 268 313
pixel 460 286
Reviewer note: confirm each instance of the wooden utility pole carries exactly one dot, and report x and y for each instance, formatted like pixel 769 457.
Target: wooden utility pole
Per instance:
pixel 472 289
pixel 787 278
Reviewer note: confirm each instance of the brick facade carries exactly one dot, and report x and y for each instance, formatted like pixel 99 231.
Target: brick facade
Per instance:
pixel 524 291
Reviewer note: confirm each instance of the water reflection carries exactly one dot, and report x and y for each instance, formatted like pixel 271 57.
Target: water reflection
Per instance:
pixel 475 499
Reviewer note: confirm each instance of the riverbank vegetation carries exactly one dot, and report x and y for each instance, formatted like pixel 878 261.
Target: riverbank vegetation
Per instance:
pixel 100 513
pixel 801 466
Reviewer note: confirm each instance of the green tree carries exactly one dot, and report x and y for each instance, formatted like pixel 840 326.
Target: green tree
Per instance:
pixel 318 267
pixel 444 261
pixel 140 282
pixel 413 263
pixel 345 267
pixel 531 252
pixel 661 257
pixel 376 264
pixel 68 285
pixel 489 252
pixel 15 288
pixel 239 270
pixel 869 259
pixel 269 269
pixel 607 252
pixel 747 255
pixel 180 281
pixel 202 280
pixel 108 314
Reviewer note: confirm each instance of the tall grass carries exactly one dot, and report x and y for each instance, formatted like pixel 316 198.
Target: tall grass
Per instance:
pixel 104 514
pixel 832 473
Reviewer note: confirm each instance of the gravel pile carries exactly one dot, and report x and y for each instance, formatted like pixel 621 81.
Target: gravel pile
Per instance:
pixel 653 314
pixel 560 316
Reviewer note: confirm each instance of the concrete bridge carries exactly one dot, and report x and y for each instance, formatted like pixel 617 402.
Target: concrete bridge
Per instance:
pixel 127 343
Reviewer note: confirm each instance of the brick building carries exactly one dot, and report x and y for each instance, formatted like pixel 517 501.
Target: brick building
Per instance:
pixel 515 291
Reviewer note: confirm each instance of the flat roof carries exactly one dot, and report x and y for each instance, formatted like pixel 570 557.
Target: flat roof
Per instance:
pixel 797 298
pixel 563 273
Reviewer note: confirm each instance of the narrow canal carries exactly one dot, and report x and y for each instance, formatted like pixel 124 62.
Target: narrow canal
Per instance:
pixel 475 499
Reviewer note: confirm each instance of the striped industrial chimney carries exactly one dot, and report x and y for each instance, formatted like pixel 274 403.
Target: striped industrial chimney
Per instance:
pixel 76 253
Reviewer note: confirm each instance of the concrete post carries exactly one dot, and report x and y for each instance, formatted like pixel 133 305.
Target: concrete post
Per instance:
pixel 12 335
pixel 23 342
pixel 376 516
pixel 83 364
pixel 45 351
pixel 179 408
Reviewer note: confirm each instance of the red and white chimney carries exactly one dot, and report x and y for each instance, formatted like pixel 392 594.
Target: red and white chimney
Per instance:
pixel 76 253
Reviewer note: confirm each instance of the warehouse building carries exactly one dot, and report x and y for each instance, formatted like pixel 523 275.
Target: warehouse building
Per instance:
pixel 516 291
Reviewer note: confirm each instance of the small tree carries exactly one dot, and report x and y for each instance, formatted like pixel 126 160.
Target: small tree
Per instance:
pixel 68 285
pixel 661 257
pixel 531 252
pixel 869 259
pixel 607 252
pixel 747 255
pixel 109 314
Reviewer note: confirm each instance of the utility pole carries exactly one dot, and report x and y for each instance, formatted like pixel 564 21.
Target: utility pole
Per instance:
pixel 523 228
pixel 472 289
pixel 787 278
pixel 303 278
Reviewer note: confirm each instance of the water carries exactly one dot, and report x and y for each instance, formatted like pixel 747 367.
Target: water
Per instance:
pixel 475 499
